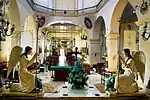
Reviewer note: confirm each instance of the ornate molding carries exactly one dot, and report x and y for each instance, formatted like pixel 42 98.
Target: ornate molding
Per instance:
pixel 112 35
pixel 140 23
pixel 112 69
pixel 94 39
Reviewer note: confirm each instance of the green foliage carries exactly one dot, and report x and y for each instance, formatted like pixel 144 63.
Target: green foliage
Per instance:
pixel 77 77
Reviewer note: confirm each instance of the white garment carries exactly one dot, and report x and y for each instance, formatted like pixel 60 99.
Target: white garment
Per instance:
pixel 126 82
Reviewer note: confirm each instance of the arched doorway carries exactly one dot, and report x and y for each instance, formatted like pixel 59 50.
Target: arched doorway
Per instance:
pixel 123 23
pixel 128 31
pixel 129 38
pixel 64 36
pixel 98 43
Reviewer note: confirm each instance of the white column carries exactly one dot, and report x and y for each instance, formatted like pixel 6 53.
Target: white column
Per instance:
pixel 112 45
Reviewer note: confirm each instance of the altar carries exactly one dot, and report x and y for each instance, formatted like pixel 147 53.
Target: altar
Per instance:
pixel 60 72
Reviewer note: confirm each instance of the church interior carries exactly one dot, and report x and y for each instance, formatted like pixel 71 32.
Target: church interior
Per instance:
pixel 74 49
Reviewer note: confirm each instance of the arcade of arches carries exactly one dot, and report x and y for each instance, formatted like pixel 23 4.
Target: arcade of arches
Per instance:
pixel 98 35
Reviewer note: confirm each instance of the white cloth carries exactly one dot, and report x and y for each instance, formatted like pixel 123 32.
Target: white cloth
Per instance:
pixel 126 81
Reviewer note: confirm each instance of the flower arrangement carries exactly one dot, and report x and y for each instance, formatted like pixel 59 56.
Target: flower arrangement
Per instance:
pixel 77 77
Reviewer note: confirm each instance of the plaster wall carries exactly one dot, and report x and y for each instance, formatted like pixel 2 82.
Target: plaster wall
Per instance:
pixel 24 11
pixel 143 45
pixel 65 4
pixel 106 12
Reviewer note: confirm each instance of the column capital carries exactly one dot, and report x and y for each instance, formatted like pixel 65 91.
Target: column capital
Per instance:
pixel 112 35
pixel 112 69
pixel 141 22
pixel 94 41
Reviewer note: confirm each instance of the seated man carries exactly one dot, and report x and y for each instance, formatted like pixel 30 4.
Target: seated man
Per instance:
pixel 126 82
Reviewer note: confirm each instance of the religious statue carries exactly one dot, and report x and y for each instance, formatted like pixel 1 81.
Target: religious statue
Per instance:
pixel 26 78
pixel 126 82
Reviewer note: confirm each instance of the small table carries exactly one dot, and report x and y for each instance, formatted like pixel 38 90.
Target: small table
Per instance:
pixel 61 72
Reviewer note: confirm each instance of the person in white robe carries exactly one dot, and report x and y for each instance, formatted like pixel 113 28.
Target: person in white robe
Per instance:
pixel 126 83
pixel 27 79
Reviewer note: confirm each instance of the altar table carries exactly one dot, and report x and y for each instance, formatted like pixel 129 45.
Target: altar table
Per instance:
pixel 60 72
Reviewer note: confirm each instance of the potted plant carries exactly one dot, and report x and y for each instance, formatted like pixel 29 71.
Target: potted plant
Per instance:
pixel 77 77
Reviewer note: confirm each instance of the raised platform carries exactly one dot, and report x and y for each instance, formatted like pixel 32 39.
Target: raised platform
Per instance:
pixel 140 93
pixel 7 93
pixel 66 91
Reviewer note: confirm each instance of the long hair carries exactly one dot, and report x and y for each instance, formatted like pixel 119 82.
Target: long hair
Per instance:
pixel 127 51
pixel 27 49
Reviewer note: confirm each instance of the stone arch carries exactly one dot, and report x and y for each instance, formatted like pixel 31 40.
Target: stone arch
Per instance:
pixel 99 26
pixel 98 47
pixel 72 35
pixel 127 25
pixel 114 25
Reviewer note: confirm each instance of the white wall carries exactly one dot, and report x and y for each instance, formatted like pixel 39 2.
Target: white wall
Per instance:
pixel 90 3
pixel 46 3
pixel 143 45
pixel 26 39
pixel 65 4
pixel 24 10
pixel 106 12
pixel 86 3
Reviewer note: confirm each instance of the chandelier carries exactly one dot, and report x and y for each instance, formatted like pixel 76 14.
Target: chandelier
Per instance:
pixel 4 23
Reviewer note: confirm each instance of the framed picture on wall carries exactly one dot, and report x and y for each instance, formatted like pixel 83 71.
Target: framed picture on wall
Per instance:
pixel 130 39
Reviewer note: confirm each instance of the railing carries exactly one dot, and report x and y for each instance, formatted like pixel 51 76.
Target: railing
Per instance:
pixel 78 12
